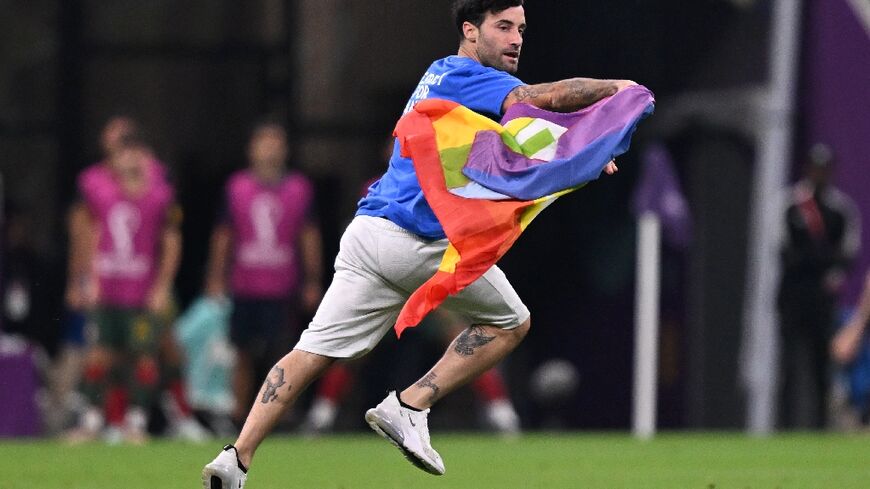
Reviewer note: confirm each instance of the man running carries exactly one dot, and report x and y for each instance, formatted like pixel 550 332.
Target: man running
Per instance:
pixel 395 243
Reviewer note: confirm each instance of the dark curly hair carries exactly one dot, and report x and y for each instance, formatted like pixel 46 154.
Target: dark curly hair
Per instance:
pixel 475 10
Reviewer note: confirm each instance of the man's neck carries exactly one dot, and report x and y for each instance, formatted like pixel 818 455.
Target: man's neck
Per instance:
pixel 132 185
pixel 466 52
pixel 269 177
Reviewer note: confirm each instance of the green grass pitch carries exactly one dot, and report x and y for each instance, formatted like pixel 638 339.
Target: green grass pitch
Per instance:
pixel 540 460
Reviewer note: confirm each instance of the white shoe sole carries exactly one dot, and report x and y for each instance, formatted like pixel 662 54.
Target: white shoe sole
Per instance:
pixel 383 427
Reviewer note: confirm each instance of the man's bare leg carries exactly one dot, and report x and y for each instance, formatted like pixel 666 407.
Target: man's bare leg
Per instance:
pixel 287 379
pixel 477 349
pixel 243 385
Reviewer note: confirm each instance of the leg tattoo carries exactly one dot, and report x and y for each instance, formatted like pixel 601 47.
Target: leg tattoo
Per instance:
pixel 270 387
pixel 473 337
pixel 429 381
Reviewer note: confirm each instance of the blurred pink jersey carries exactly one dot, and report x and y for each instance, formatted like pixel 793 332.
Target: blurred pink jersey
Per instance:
pixel 130 231
pixel 266 221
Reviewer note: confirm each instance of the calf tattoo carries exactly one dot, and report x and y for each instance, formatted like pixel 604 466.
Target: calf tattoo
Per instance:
pixel 429 381
pixel 473 337
pixel 274 380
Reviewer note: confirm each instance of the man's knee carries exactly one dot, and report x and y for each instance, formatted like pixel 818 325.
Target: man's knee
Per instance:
pixel 515 334
pixel 98 357
pixel 523 329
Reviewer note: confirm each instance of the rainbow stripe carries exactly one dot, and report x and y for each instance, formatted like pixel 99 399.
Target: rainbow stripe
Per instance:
pixel 487 181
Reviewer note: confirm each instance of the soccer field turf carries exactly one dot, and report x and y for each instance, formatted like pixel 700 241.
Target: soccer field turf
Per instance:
pixel 671 461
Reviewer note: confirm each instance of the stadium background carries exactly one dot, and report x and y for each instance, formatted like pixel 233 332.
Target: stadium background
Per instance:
pixel 198 73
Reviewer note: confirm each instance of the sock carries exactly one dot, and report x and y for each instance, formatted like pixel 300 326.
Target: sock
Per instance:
pixel 94 383
pixel 143 382
pixel 116 405
pixel 490 386
pixel 406 406
pixel 335 384
pixel 176 389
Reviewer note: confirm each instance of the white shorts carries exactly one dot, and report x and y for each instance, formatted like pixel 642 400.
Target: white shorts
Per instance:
pixel 378 266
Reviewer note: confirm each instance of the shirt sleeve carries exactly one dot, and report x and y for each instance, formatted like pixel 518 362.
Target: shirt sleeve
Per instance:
pixel 485 89
pixel 85 190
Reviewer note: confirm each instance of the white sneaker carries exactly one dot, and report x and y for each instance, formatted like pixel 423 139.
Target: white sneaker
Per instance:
pixel 91 423
pixel 113 435
pixel 189 429
pixel 136 426
pixel 320 417
pixel 408 430
pixel 502 417
pixel 225 471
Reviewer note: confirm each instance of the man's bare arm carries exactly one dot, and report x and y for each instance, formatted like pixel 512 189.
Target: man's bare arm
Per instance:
pixel 863 312
pixel 82 245
pixel 565 95
pixel 168 263
pixel 848 341
pixel 219 256
pixel 311 247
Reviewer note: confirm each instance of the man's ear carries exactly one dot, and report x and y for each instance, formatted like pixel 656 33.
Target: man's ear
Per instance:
pixel 470 31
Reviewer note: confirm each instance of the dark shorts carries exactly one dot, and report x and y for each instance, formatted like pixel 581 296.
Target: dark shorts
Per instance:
pixel 73 323
pixel 127 329
pixel 263 327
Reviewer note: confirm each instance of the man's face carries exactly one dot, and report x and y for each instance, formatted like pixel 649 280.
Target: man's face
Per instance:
pixel 820 175
pixel 268 150
pixel 500 39
pixel 129 161
pixel 111 139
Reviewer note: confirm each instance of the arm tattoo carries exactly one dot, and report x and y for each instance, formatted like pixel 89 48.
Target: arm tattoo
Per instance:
pixel 565 95
pixel 582 92
pixel 473 337
pixel 429 381
pixel 270 387
pixel 523 93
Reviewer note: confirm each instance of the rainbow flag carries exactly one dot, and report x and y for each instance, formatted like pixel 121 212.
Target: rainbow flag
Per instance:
pixel 486 180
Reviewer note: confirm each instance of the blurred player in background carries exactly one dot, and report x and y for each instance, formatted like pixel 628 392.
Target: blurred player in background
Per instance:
pixel 81 290
pixel 850 349
pixel 848 340
pixel 822 240
pixel 395 243
pixel 126 247
pixel 266 255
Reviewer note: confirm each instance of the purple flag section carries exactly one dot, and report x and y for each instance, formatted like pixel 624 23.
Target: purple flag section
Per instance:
pixel 595 135
pixel 658 191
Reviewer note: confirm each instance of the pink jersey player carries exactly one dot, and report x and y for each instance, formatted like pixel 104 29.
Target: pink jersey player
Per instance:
pixel 125 248
pixel 266 257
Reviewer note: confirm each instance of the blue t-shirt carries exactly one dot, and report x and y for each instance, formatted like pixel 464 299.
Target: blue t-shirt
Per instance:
pixel 397 196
